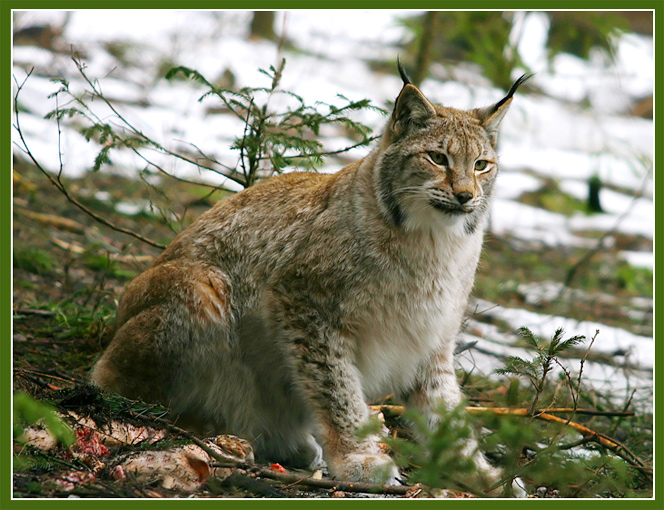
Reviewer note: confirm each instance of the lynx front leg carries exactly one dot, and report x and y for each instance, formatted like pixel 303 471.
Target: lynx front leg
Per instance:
pixel 325 375
pixel 437 384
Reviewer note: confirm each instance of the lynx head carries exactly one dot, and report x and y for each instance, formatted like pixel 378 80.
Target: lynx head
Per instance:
pixel 437 164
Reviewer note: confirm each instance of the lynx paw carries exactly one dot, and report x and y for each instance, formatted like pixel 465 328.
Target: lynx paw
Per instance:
pixel 370 468
pixel 492 475
pixel 519 488
pixel 307 454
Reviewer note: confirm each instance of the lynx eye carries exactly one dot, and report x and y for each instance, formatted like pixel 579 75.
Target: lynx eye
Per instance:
pixel 439 158
pixel 481 165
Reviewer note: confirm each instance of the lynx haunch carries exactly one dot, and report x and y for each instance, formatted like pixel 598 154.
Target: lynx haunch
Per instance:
pixel 283 309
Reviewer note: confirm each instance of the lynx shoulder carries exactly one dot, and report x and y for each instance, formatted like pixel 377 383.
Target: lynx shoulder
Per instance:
pixel 282 310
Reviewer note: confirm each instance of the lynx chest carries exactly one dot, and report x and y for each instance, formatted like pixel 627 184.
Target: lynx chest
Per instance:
pixel 408 319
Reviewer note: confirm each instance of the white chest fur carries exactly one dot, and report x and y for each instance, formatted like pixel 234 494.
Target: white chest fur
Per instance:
pixel 410 319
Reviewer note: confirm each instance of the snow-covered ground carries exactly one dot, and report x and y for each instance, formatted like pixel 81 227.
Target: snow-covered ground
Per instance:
pixel 547 135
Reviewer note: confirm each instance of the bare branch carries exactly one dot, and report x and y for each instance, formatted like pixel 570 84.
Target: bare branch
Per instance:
pixel 58 184
pixel 339 151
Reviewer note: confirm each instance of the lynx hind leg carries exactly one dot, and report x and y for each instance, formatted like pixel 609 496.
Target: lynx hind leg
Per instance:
pixel 132 365
pixel 173 322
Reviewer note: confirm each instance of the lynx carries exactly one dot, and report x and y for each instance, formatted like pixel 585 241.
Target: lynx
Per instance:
pixel 282 310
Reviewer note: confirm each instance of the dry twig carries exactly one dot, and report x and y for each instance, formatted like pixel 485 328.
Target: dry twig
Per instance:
pixel 337 485
pixel 51 220
pixel 78 249
pixel 392 410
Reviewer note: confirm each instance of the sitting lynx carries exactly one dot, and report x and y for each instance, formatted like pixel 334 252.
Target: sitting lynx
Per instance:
pixel 283 309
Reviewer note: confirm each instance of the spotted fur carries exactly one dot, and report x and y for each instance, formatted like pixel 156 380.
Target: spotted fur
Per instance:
pixel 281 310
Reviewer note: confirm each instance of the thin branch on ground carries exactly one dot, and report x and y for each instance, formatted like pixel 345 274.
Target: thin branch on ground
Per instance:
pixel 49 375
pixel 575 444
pixel 337 485
pixel 603 440
pixel 116 257
pixel 394 410
pixel 40 313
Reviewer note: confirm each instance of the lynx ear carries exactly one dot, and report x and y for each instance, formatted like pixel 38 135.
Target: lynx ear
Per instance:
pixel 411 111
pixel 491 116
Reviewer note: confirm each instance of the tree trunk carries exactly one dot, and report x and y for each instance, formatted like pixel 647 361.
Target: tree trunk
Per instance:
pixel 429 24
pixel 262 25
pixel 594 187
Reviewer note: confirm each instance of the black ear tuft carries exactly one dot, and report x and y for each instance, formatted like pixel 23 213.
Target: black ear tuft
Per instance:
pixel 491 116
pixel 523 78
pixel 402 72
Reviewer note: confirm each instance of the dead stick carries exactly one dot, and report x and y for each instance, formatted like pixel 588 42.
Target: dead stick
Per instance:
pixel 285 478
pixel 585 412
pixel 39 373
pixel 392 410
pixel 198 442
pixel 604 441
pixel 615 446
pixel 52 220
pixel 78 249
pixel 41 313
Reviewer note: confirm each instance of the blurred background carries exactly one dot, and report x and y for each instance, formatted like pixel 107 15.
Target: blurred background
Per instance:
pixel 570 243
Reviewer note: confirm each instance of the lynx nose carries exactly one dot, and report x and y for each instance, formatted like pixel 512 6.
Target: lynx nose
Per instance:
pixel 463 196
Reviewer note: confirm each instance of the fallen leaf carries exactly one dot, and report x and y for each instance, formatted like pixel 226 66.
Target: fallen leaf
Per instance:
pixel 201 467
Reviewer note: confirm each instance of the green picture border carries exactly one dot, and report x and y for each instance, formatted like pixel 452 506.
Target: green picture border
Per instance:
pixel 5 252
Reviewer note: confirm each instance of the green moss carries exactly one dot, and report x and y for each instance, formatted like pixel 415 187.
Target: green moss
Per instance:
pixel 33 259
pixel 551 198
pixel 635 280
pixel 24 284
